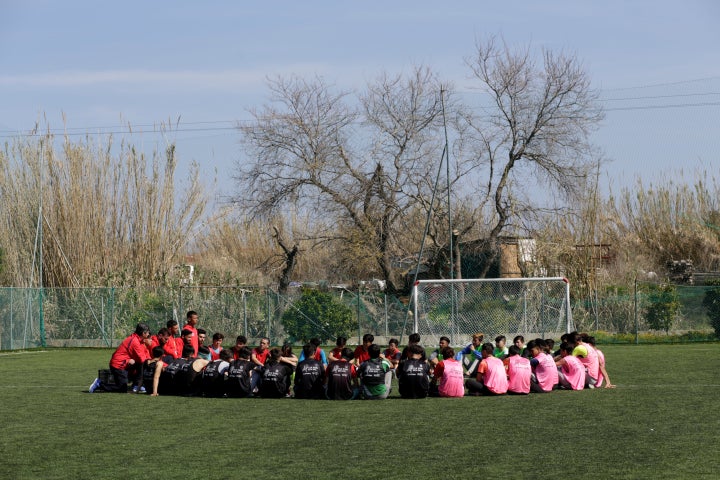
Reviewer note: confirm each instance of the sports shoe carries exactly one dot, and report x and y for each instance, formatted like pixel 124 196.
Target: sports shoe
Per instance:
pixel 94 385
pixel 142 390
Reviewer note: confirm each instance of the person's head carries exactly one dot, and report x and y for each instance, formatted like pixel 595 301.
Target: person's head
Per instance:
pixel 566 349
pixel 163 335
pixel 204 353
pixel 564 337
pixel 347 353
pixel 244 353
pixel 533 348
pixel 374 350
pixel 584 337
pixel 226 355
pixel 202 335
pixel 416 351
pixel 500 341
pixel 413 338
pixel 264 344
pixel 574 337
pixel 590 340
pixel 368 339
pixel 549 344
pixel 308 350
pixel 519 341
pixel 192 318
pixel 286 350
pixel 142 330
pixel 477 339
pixel 341 342
pixel 315 341
pixel 240 342
pixel 158 352
pixel 275 354
pixel 487 350
pixel 444 342
pixel 514 350
pixel 173 326
pixel 217 339
pixel 188 351
pixel 447 352
pixel 393 343
pixel 187 336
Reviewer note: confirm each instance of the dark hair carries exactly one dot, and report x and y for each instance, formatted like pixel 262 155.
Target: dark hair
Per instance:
pixel 245 352
pixel 171 323
pixel 163 331
pixel 446 339
pixel 518 337
pixel 499 338
pixel 204 350
pixel 201 330
pixel 414 338
pixel 513 350
pixel 241 339
pixel 188 351
pixel 226 355
pixel 416 349
pixel 488 348
pixel 393 341
pixel 275 354
pixel 368 337
pixel 567 347
pixel 157 351
pixel 447 352
pixel 347 353
pixel 287 349
pixel 185 332
pixel 218 336
pixel 374 350
pixel 530 345
pixel 190 313
pixel 341 341
pixel 591 340
pixel 142 328
pixel 550 343
pixel 315 341
pixel 308 350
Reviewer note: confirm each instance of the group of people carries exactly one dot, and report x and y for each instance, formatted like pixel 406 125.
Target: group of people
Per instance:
pixel 172 364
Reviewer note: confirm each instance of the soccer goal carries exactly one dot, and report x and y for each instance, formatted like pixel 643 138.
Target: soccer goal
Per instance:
pixel 532 307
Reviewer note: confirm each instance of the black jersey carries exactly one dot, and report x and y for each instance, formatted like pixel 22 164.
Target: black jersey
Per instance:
pixel 309 378
pixel 187 380
pixel 275 380
pixel 167 384
pixel 212 383
pixel 237 383
pixel 372 372
pixel 413 379
pixel 339 380
pixel 149 367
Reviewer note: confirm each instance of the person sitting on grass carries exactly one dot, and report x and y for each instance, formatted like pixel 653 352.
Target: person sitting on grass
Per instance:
pixel 259 357
pixel 169 380
pixel 341 378
pixel 448 376
pixel 519 341
pixel 336 353
pixel 471 355
pixel 309 376
pixel 188 379
pixel 500 351
pixel 518 371
pixel 276 377
pixel 240 343
pixel 126 362
pixel 414 375
pixel 213 376
pixel 571 373
pixel 237 383
pixel 601 364
pixel 318 353
pixel 288 357
pixel 435 356
pixel 152 368
pixel 393 353
pixel 491 375
pixel 413 339
pixel 587 356
pixel 361 354
pixel 545 374
pixel 375 375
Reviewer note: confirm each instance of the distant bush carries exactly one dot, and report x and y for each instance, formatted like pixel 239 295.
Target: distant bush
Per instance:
pixel 317 314
pixel 712 303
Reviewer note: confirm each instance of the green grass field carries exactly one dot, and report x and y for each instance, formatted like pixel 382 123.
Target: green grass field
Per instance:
pixel 662 421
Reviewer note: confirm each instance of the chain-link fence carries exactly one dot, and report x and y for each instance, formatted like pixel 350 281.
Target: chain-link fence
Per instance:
pixel 31 317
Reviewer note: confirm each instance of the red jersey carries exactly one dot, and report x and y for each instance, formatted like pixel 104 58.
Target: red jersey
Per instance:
pixel 215 354
pixel 261 356
pixel 130 348
pixel 361 355
pixel 193 339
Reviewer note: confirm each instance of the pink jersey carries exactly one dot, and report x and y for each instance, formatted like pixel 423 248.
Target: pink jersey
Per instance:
pixel 591 361
pixel 601 362
pixel 518 374
pixel 493 375
pixel 546 372
pixel 574 372
pixel 451 382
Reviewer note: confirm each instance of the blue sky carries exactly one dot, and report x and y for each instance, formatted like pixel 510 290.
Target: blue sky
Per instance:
pixel 105 65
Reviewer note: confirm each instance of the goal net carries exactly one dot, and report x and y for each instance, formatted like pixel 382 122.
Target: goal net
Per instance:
pixel 532 307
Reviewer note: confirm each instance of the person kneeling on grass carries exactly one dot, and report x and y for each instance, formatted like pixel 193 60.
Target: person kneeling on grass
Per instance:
pixel 126 360
pixel 448 376
pixel 275 377
pixel 491 375
pixel 152 369
pixel 375 375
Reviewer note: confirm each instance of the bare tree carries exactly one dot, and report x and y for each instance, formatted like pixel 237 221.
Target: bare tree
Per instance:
pixel 359 164
pixel 533 136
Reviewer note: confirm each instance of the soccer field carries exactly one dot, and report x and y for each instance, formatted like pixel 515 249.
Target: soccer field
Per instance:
pixel 662 421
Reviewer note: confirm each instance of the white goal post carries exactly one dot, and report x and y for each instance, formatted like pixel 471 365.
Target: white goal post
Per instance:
pixel 532 307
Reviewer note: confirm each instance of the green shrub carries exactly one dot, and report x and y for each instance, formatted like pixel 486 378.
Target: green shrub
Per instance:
pixel 712 304
pixel 317 314
pixel 663 307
